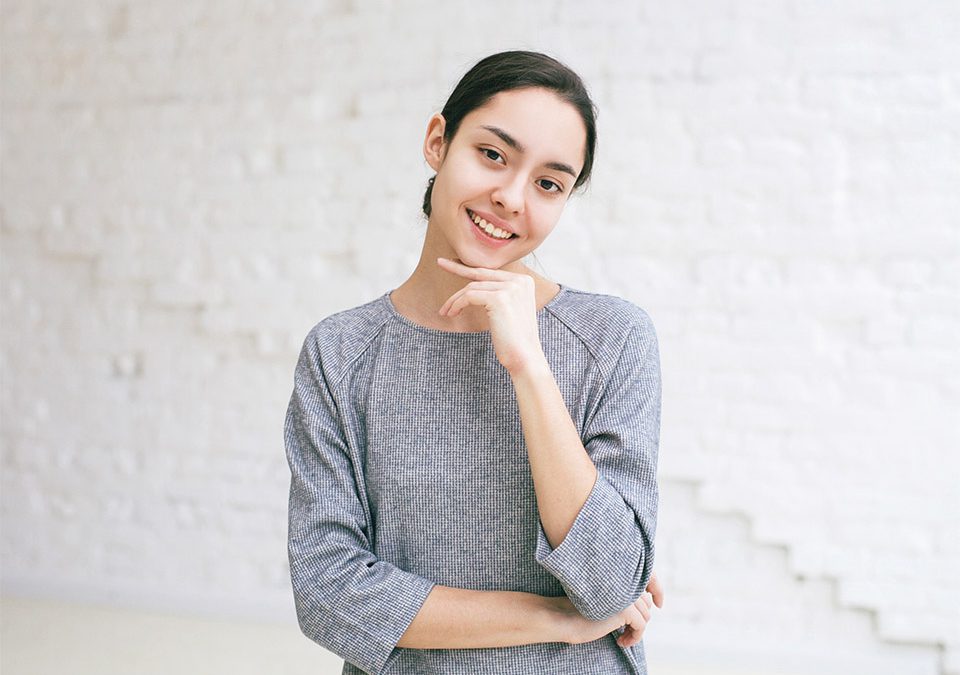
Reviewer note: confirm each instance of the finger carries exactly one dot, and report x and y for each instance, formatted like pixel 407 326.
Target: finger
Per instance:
pixel 631 636
pixel 626 636
pixel 634 614
pixel 489 285
pixel 656 588
pixel 642 608
pixel 471 297
pixel 630 640
pixel 639 610
pixel 636 636
pixel 478 273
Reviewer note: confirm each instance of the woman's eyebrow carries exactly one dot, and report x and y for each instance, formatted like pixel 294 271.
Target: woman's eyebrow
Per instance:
pixel 515 144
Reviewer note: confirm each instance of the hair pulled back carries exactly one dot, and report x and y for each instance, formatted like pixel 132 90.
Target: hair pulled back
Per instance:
pixel 517 69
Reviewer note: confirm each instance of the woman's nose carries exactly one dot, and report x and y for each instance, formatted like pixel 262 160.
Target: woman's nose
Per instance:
pixel 509 194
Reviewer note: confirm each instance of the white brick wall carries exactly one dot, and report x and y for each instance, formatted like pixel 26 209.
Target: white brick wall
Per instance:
pixel 187 188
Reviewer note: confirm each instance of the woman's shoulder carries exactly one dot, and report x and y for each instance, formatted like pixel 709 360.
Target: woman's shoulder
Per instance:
pixel 341 336
pixel 601 314
pixel 604 324
pixel 358 319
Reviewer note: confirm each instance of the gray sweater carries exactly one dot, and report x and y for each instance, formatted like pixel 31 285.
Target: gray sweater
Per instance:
pixel 409 468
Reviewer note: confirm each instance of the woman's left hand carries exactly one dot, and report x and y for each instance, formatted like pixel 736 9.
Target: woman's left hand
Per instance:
pixel 511 304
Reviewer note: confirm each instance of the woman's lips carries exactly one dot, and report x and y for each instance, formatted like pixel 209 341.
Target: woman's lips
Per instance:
pixel 483 236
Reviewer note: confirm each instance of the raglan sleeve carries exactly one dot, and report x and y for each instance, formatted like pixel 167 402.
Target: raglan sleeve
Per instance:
pixel 605 561
pixel 346 599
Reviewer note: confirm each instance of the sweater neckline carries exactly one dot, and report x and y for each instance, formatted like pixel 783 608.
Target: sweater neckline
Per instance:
pixel 385 298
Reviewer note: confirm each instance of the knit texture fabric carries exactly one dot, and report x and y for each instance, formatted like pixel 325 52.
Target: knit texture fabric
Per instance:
pixel 409 468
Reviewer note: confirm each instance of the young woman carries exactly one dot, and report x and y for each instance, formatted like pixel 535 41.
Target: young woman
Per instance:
pixel 473 454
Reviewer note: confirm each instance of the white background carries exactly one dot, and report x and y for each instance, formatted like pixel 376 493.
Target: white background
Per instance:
pixel 187 187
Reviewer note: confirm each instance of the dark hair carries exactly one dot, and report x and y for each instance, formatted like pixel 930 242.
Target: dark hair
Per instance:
pixel 515 70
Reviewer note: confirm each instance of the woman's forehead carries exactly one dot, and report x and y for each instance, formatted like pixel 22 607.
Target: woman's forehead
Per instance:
pixel 532 121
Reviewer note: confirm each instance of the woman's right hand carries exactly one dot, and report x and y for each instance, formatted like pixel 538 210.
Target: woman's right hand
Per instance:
pixel 578 629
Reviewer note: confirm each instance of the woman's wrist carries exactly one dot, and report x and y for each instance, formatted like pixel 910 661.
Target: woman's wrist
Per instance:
pixel 553 620
pixel 533 368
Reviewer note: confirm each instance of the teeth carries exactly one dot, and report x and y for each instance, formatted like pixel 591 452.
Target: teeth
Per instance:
pixel 490 229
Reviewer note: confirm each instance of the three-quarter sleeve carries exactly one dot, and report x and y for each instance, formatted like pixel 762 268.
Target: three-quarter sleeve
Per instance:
pixel 347 600
pixel 605 561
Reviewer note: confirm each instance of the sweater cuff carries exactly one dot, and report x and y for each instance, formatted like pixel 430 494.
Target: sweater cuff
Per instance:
pixel 373 650
pixel 587 559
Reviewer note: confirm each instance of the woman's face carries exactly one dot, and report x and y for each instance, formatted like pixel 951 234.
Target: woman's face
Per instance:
pixel 512 162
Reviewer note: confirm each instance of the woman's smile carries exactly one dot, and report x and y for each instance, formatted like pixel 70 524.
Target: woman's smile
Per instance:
pixel 485 237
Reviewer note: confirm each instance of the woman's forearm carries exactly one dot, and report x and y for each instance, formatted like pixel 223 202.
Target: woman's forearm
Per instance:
pixel 460 618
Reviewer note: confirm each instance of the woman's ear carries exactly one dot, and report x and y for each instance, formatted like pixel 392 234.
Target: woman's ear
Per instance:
pixel 434 147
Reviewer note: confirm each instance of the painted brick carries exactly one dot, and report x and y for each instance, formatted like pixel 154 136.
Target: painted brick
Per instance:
pixel 187 190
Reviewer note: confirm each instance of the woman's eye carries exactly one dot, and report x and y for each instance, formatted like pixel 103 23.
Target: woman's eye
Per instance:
pixel 488 152
pixel 549 185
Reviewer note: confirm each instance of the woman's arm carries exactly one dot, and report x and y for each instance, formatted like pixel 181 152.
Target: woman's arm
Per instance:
pixel 597 499
pixel 460 618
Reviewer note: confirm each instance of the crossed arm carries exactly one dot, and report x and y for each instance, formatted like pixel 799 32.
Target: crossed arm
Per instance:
pixel 595 536
pixel 565 478
pixel 458 618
